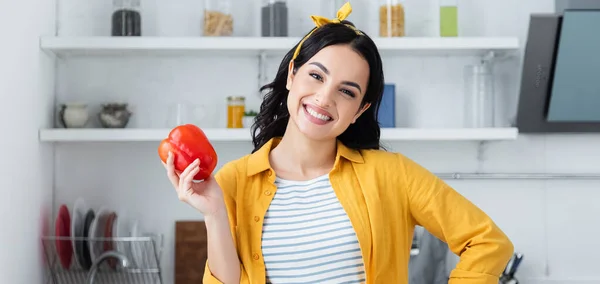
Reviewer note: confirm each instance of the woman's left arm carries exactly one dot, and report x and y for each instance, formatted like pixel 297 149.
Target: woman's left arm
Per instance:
pixel 470 233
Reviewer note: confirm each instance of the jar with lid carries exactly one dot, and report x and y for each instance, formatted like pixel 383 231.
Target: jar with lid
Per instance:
pixel 236 106
pixel 126 18
pixel 274 18
pixel 391 18
pixel 218 18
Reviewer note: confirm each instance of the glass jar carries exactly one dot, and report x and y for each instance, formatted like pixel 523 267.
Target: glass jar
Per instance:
pixel 448 18
pixel 300 12
pixel 479 96
pixel 358 17
pixel 236 106
pixel 126 18
pixel 186 113
pixel 274 18
pixel 334 5
pixel 423 19
pixel 218 18
pixel 391 18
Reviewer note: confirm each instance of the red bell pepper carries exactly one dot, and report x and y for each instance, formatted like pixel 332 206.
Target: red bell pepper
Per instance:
pixel 187 143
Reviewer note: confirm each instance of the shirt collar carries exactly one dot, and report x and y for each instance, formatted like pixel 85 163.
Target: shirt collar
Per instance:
pixel 259 160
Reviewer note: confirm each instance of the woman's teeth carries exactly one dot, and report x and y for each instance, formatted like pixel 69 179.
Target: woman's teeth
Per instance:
pixel 317 115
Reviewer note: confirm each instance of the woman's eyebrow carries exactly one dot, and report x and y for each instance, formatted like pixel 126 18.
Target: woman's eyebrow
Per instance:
pixel 320 66
pixel 326 71
pixel 353 84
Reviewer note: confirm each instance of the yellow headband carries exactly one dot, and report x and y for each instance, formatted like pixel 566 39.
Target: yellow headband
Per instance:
pixel 342 14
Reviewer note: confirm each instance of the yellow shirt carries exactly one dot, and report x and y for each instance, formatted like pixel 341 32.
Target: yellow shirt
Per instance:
pixel 385 195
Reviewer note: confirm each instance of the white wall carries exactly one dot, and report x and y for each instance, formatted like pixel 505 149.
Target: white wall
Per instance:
pixel 26 88
pixel 551 222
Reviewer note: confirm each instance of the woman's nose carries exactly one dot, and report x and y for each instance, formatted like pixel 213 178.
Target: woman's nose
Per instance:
pixel 324 97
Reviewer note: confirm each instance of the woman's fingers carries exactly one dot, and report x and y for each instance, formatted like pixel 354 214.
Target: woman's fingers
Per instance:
pixel 171 171
pixel 190 168
pixel 187 180
pixel 186 177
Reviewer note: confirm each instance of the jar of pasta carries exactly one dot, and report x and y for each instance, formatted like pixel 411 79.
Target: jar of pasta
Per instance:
pixel 391 18
pixel 218 19
pixel 236 106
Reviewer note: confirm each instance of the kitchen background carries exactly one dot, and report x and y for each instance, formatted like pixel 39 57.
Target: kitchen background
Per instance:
pixel 552 222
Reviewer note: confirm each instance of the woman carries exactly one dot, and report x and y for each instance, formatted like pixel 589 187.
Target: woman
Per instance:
pixel 318 201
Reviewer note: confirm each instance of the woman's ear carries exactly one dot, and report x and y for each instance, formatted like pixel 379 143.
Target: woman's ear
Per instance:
pixel 361 111
pixel 290 76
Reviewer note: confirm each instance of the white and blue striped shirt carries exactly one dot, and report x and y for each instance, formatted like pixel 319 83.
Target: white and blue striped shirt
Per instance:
pixel 307 236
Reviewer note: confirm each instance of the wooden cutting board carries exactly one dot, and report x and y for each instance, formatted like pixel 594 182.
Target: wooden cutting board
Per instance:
pixel 190 251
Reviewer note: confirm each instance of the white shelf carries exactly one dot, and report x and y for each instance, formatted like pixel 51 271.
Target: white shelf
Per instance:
pixel 66 46
pixel 134 135
pixel 233 135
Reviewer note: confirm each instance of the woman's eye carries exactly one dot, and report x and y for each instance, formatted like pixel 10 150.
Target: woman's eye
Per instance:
pixel 316 76
pixel 349 93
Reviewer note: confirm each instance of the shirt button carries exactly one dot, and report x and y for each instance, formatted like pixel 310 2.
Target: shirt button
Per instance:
pixel 267 193
pixel 255 256
pixel 270 173
pixel 256 218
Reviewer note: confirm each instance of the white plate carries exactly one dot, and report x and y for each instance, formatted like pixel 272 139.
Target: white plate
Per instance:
pixel 77 223
pixel 137 247
pixel 97 231
pixel 122 229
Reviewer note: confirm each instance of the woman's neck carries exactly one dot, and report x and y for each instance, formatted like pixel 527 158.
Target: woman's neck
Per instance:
pixel 298 157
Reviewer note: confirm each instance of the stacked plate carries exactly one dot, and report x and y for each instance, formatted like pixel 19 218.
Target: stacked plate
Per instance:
pixel 86 234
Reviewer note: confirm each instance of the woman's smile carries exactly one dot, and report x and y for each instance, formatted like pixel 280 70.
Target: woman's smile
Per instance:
pixel 316 115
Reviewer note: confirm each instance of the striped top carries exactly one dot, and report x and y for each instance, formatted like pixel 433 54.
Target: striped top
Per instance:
pixel 307 236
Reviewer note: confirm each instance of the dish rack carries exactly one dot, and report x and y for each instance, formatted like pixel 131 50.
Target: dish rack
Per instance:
pixel 80 260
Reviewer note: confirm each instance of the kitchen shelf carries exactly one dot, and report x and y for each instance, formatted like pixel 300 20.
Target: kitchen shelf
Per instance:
pixel 243 135
pixel 100 45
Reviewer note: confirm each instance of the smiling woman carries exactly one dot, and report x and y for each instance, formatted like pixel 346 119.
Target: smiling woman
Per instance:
pixel 336 68
pixel 317 200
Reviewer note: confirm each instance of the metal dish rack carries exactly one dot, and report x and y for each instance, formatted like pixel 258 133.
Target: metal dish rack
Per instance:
pixel 131 260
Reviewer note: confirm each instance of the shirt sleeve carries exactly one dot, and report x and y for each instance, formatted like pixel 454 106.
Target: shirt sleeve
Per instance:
pixel 483 248
pixel 209 278
pixel 227 179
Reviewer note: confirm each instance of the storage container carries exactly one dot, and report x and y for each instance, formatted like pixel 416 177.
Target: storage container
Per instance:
pixel 479 96
pixel 391 18
pixel 236 107
pixel 448 18
pixel 359 16
pixel 126 19
pixel 299 22
pixel 274 18
pixel 218 18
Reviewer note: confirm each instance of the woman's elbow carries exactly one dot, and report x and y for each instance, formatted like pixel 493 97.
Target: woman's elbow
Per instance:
pixel 505 248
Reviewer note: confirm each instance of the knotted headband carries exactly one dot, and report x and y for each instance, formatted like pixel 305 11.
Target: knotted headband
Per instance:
pixel 320 21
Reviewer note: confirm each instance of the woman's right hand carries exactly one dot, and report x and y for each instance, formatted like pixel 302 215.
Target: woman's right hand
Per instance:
pixel 205 196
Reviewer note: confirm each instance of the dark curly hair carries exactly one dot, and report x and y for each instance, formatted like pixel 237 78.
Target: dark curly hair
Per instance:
pixel 273 116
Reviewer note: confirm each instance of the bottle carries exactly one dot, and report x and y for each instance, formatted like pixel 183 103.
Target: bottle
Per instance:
pixel 126 18
pixel 218 20
pixel 274 18
pixel 448 18
pixel 391 18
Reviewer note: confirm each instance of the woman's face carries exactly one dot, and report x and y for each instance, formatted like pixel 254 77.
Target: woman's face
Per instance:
pixel 326 92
